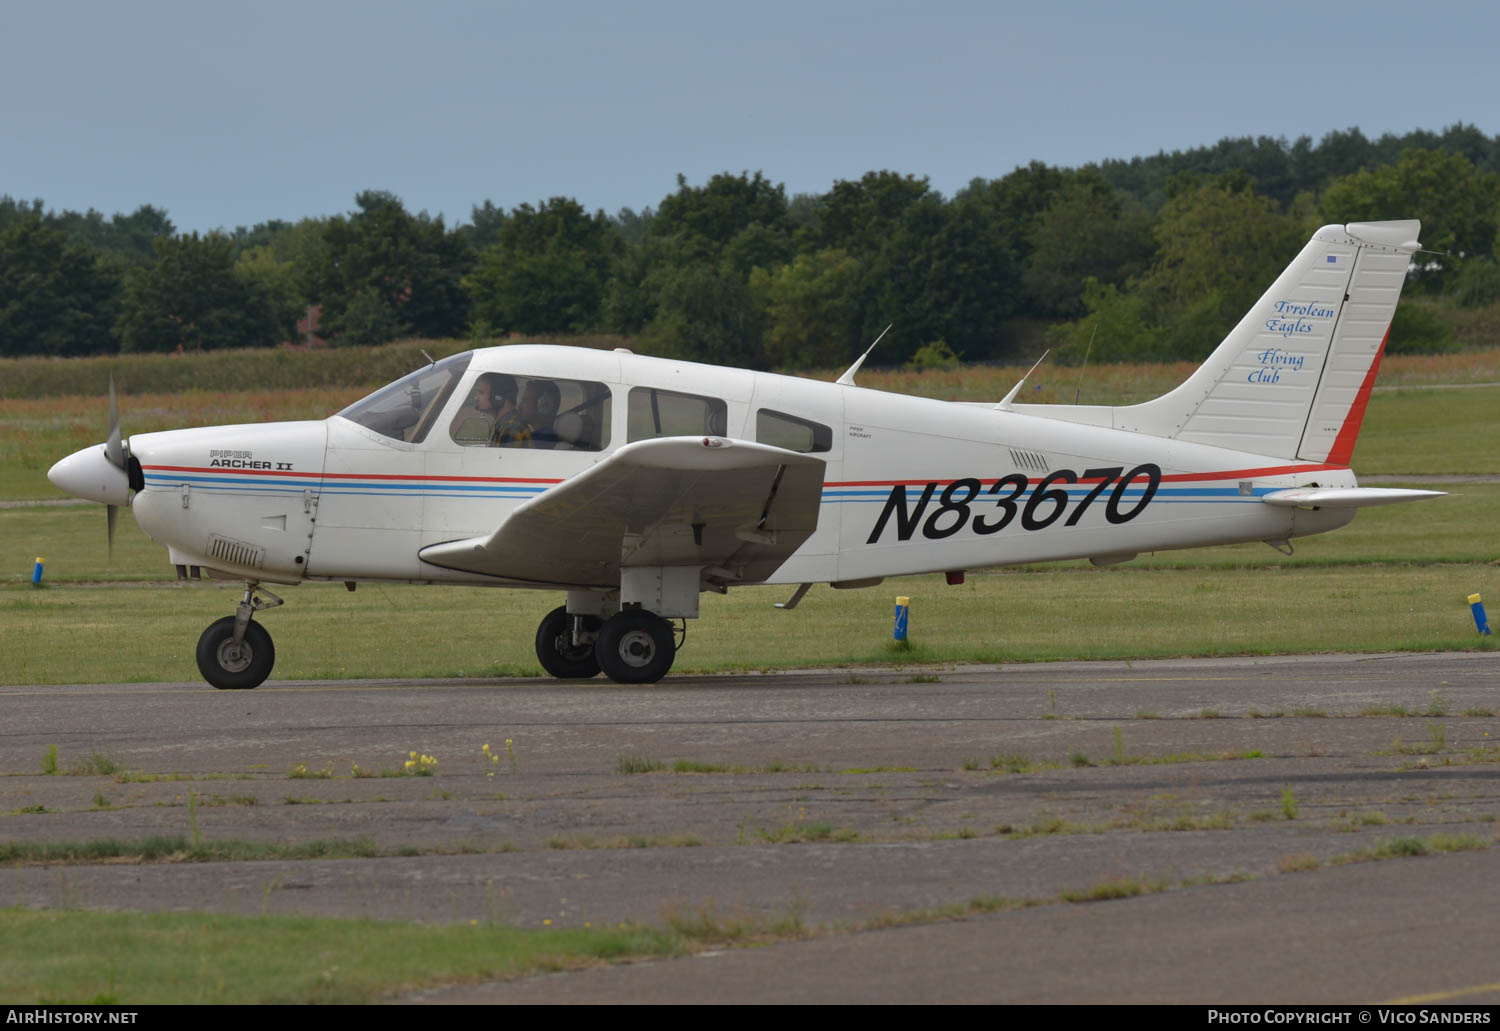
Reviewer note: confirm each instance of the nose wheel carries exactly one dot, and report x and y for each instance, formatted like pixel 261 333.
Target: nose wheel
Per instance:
pixel 234 653
pixel 635 647
pixel 230 666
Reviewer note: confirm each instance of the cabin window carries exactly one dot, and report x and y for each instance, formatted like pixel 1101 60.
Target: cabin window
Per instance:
pixel 787 431
pixel 406 409
pixel 505 410
pixel 665 413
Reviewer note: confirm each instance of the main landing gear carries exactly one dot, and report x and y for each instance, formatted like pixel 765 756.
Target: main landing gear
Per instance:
pixel 633 646
pixel 235 653
pixel 565 644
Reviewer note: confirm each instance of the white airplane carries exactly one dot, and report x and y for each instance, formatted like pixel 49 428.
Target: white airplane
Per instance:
pixel 635 484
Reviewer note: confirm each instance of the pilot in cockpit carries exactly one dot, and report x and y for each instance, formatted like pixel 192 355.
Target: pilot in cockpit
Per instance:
pixel 510 429
pixel 495 400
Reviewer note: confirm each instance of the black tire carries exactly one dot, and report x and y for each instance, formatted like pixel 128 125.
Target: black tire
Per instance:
pixel 555 649
pixel 636 647
pixel 229 669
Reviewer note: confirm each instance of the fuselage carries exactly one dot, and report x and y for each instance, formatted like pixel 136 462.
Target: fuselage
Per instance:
pixel 911 485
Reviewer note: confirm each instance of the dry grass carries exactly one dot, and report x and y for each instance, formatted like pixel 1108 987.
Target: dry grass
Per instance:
pixel 36 432
pixel 1132 383
pixel 1407 431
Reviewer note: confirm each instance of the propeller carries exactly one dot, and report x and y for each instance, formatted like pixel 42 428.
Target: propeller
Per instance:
pixel 116 455
pixel 97 473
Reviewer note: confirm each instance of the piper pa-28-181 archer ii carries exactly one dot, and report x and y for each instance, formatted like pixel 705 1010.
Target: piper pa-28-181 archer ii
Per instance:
pixel 634 484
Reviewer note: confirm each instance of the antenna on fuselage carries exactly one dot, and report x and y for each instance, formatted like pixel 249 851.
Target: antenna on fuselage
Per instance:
pixel 430 359
pixel 1079 389
pixel 847 379
pixel 1004 405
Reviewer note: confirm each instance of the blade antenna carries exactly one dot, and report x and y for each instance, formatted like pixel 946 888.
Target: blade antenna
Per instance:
pixel 1085 364
pixel 1004 403
pixel 847 379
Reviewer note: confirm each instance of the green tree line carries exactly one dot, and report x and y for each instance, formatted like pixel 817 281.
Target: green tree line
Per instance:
pixel 1150 258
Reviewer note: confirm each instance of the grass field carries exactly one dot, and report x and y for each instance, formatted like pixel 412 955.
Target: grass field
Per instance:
pixel 201 959
pixel 1397 578
pixel 1010 616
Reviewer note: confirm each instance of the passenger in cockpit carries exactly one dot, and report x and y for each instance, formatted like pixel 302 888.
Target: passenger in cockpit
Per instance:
pixel 539 403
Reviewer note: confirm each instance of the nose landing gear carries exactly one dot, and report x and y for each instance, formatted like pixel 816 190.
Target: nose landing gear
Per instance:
pixel 235 653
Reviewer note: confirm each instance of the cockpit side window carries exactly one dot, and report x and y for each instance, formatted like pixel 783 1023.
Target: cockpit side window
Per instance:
pixel 512 411
pixel 406 409
pixel 788 431
pixel 665 413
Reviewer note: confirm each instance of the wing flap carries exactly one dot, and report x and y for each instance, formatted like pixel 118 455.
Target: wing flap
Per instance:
pixel 735 505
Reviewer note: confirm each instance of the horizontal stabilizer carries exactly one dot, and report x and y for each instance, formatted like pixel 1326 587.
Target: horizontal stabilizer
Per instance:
pixel 1345 497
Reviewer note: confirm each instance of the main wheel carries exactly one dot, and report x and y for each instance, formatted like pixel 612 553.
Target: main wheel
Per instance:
pixel 556 651
pixel 231 668
pixel 635 647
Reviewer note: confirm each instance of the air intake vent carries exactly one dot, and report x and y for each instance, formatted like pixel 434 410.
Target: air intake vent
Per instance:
pixel 236 553
pixel 1029 460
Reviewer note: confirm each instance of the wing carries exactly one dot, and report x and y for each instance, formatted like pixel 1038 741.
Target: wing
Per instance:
pixel 735 507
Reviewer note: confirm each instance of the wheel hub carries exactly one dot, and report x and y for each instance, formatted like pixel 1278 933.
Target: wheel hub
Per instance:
pixel 570 651
pixel 637 648
pixel 234 658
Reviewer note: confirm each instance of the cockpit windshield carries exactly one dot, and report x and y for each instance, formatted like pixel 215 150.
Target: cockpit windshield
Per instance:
pixel 406 409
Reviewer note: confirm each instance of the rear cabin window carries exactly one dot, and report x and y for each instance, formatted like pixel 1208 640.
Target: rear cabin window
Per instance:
pixel 665 413
pixel 503 410
pixel 787 431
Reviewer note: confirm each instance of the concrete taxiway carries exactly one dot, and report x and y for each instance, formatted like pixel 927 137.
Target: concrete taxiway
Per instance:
pixel 846 800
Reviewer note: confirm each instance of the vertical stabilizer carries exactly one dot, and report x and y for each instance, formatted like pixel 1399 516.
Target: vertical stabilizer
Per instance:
pixel 1293 378
pixel 1359 340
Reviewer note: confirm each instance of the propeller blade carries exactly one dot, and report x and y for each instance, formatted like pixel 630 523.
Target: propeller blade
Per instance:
pixel 112 448
pixel 116 455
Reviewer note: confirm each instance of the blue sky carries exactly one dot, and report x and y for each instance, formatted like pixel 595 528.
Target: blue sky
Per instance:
pixel 229 115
